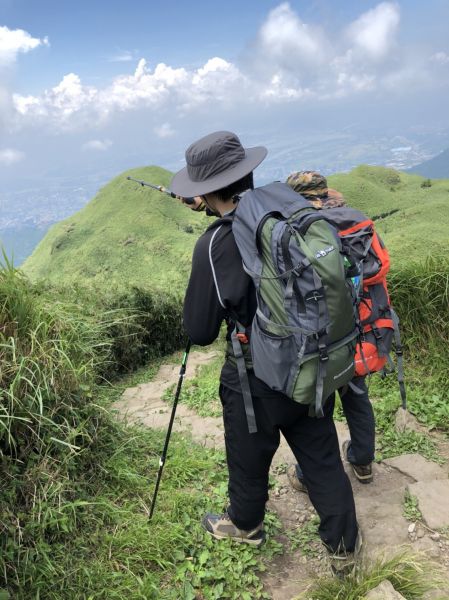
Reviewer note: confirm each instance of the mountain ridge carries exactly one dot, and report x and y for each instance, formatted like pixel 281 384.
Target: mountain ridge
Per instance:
pixel 130 235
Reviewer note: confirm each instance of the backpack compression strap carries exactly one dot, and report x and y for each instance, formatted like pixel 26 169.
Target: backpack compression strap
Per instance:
pixel 244 381
pixel 399 353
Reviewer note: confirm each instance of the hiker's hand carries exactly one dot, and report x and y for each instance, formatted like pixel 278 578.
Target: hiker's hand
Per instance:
pixel 195 205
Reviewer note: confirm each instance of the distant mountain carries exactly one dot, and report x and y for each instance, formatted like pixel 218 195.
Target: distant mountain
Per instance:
pixel 129 235
pixel 434 168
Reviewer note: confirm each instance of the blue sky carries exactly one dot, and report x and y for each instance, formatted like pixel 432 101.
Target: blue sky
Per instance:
pixel 115 84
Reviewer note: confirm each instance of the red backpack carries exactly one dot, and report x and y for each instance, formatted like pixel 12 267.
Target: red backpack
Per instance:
pixel 379 324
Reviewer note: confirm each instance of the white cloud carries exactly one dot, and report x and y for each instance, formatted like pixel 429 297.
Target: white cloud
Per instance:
pixel 289 61
pixel 101 145
pixel 164 131
pixel 440 58
pixel 14 41
pixel 123 56
pixel 373 33
pixel 285 42
pixel 9 156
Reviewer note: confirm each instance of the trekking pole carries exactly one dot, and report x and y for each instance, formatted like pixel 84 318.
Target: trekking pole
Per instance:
pixel 160 188
pixel 170 426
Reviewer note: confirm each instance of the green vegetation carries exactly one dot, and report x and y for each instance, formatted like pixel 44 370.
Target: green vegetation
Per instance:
pixel 76 484
pixel 411 575
pixel 419 227
pixel 306 538
pixel 411 508
pixel 133 235
pixel 127 235
pixel 201 393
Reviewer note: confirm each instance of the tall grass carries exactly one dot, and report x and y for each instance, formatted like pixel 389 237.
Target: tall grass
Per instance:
pixel 62 454
pixel 412 575
pixel 420 294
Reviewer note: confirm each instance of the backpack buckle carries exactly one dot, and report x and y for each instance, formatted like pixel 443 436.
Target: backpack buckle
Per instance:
pixel 242 338
pixel 324 357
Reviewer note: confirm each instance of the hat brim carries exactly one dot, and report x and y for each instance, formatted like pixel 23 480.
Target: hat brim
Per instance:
pixel 182 185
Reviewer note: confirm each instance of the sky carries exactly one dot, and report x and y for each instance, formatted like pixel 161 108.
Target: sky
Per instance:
pixel 107 85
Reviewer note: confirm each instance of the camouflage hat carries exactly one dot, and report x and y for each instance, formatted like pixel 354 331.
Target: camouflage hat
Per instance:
pixel 309 184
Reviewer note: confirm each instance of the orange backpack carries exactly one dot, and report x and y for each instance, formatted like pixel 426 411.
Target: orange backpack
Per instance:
pixel 378 322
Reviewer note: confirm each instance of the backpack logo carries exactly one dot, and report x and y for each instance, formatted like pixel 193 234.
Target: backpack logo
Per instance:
pixel 324 252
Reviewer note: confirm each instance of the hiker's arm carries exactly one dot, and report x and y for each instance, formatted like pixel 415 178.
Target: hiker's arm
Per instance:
pixel 203 313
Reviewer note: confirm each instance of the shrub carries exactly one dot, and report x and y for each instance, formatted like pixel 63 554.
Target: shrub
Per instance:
pixel 146 324
pixel 420 294
pixel 427 183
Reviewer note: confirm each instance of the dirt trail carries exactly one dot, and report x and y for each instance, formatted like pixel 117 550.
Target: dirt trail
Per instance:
pixel 379 505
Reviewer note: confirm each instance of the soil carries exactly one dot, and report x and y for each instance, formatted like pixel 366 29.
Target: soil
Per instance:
pixel 379 504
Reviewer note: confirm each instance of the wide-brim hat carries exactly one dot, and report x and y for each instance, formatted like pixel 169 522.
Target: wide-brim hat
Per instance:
pixel 214 162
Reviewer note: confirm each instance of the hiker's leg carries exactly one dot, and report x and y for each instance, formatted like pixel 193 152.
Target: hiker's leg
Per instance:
pixel 314 443
pixel 360 418
pixel 249 458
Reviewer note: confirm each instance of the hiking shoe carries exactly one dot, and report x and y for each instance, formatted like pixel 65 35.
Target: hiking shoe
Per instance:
pixel 221 527
pixel 295 481
pixel 363 473
pixel 344 563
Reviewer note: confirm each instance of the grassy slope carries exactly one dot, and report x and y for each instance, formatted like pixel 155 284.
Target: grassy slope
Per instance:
pixel 126 234
pixel 133 235
pixel 419 228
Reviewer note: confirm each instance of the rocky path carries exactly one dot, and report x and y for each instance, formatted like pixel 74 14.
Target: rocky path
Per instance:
pixel 379 505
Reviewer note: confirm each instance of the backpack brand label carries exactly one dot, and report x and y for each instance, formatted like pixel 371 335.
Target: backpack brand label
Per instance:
pixel 324 252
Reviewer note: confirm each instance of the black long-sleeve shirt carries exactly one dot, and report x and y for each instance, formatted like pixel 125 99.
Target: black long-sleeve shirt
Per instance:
pixel 219 289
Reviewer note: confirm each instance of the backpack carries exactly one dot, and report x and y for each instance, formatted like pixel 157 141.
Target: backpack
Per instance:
pixel 378 322
pixel 304 332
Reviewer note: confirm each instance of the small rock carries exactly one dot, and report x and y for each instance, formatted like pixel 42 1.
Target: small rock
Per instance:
pixel 427 546
pixel 435 536
pixel 405 421
pixel 420 534
pixel 384 591
pixel 411 527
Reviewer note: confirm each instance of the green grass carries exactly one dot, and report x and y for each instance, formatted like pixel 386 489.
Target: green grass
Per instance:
pixel 305 538
pixel 418 229
pixel 201 393
pixel 126 235
pixel 411 508
pixel 132 235
pixel 411 575
pixel 77 485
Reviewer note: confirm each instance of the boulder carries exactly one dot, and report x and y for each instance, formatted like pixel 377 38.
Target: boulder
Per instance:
pixel 417 467
pixel 384 591
pixel 433 501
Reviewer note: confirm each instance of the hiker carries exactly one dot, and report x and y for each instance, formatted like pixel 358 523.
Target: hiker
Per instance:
pixel 359 450
pixel 219 169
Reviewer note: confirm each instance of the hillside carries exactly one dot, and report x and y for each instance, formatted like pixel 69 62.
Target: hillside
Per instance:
pixel 435 168
pixel 418 227
pixel 128 234
pixel 133 235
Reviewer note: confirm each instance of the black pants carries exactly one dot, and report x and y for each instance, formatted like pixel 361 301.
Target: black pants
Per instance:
pixel 315 445
pixel 360 418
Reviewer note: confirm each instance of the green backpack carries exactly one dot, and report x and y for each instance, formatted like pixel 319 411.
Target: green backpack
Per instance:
pixel 303 335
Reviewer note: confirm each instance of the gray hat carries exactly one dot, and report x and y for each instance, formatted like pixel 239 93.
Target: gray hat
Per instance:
pixel 214 162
